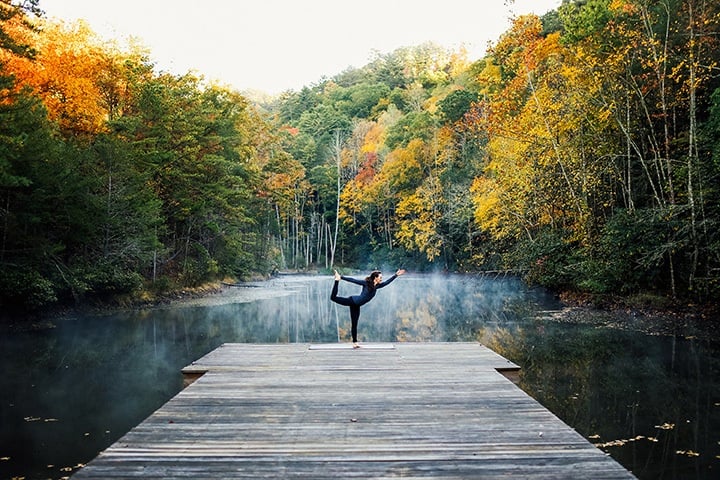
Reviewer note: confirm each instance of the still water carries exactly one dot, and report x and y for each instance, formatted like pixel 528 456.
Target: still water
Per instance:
pixel 650 401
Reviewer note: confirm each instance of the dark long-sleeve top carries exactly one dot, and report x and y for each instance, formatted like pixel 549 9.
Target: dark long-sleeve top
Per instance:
pixel 368 292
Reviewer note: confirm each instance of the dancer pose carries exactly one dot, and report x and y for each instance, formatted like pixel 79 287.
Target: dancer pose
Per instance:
pixel 369 287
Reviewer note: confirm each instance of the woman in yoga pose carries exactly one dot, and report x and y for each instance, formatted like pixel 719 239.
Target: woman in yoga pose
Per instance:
pixel 369 287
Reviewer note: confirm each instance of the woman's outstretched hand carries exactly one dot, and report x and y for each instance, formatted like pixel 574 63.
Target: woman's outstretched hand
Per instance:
pixel 400 272
pixel 337 276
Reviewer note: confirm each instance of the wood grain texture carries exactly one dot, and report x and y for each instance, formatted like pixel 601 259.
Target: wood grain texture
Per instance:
pixel 410 410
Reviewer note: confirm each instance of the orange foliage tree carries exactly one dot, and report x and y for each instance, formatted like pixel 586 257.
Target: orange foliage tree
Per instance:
pixel 65 74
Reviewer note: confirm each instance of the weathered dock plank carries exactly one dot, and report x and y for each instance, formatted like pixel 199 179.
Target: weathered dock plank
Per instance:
pixel 319 411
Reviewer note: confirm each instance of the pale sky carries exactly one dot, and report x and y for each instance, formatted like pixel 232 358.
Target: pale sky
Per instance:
pixel 276 45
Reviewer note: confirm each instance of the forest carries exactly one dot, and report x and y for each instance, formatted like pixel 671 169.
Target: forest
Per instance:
pixel 581 152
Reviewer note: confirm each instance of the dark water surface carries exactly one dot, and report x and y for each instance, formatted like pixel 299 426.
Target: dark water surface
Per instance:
pixel 652 402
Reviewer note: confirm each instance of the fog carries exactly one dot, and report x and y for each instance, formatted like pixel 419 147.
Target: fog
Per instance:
pixel 69 391
pixel 417 308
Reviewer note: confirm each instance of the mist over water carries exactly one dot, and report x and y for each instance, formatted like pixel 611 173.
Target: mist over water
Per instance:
pixel 68 392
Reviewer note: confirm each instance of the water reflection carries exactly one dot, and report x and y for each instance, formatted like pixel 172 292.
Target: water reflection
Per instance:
pixel 69 392
pixel 651 402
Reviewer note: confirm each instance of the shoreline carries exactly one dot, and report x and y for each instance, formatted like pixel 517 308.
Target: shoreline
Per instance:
pixel 651 315
pixel 671 318
pixel 210 294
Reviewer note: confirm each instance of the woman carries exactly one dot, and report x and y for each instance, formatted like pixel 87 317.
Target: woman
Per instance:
pixel 369 287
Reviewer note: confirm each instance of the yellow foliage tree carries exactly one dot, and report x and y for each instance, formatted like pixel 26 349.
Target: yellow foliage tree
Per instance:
pixel 546 164
pixel 419 215
pixel 65 73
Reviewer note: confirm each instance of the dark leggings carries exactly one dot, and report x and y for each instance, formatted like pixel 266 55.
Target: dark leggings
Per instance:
pixel 348 302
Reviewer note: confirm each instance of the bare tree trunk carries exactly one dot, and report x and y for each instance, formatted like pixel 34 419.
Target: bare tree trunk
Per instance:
pixel 328 241
pixel 281 240
pixel 308 251
pixel 692 146
pixel 310 239
pixel 296 242
pixel 629 185
pixel 337 151
pixel 154 274
pixel 660 68
pixel 319 230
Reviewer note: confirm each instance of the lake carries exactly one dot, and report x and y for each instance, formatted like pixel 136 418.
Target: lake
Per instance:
pixel 652 401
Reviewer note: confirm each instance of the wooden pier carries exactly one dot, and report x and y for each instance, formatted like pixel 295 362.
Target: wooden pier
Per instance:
pixel 411 410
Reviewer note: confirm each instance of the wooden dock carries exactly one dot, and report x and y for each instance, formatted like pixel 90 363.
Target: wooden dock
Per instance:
pixel 411 410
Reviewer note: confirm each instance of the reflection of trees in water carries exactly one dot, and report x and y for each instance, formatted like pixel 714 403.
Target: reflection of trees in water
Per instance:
pixel 649 401
pixel 432 308
pixel 107 373
pixel 419 324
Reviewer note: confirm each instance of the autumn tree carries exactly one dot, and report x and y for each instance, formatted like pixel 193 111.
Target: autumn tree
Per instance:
pixel 583 148
pixel 64 74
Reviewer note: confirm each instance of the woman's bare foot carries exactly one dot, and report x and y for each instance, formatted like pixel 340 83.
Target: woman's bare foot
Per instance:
pixel 355 345
pixel 337 276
